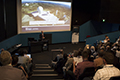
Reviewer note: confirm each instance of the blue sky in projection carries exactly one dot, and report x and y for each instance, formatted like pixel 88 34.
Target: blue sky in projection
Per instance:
pixel 65 3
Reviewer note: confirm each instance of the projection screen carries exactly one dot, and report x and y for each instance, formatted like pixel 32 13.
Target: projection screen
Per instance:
pixel 48 16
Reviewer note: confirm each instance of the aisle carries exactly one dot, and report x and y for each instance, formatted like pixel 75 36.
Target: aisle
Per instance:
pixel 45 72
pixel 42 61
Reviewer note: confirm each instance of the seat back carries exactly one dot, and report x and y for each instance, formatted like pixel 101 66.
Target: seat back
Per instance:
pixel 88 72
pixel 115 78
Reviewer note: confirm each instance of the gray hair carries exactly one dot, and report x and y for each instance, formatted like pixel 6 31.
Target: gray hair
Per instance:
pixel 5 57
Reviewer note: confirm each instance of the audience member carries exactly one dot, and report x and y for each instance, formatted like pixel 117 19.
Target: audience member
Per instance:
pixel 25 61
pixel 57 58
pixel 8 72
pixel 108 48
pixel 2 49
pixel 61 63
pixel 108 70
pixel 86 47
pixel 98 62
pixel 93 52
pixel 78 58
pixel 69 62
pixel 118 41
pixel 106 39
pixel 15 64
pixel 78 70
pixel 80 50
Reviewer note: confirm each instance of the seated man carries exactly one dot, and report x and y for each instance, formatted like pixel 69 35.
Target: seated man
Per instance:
pixel 57 58
pixel 25 61
pixel 106 39
pixel 108 70
pixel 78 70
pixel 15 64
pixel 98 62
pixel 7 71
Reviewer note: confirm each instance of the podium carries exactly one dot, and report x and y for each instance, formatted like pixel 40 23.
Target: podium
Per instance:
pixel 39 46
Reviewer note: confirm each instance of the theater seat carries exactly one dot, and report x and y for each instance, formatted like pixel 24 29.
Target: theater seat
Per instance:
pixel 87 73
pixel 115 78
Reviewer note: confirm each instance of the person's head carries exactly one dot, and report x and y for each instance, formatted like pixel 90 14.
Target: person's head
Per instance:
pixel 101 52
pixel 2 49
pixel 92 48
pixel 65 56
pixel 75 53
pixel 41 31
pixel 102 47
pixel 108 48
pixel 14 59
pixel 80 51
pixel 108 58
pixel 85 54
pixel 61 51
pixel 5 58
pixel 22 52
pixel 106 36
pixel 87 47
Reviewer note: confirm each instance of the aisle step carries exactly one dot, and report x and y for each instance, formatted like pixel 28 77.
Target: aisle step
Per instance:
pixel 43 64
pixel 57 79
pixel 49 72
pixel 45 75
pixel 43 67
pixel 43 70
pixel 46 78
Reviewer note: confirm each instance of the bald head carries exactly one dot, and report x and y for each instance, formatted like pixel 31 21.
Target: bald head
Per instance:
pixel 5 57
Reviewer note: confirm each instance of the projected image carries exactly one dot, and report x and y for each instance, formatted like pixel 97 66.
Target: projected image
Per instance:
pixel 45 15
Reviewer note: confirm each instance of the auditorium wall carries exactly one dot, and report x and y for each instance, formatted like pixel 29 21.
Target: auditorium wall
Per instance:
pixel 95 28
pixel 86 29
pixel 8 43
pixel 113 36
pixel 62 37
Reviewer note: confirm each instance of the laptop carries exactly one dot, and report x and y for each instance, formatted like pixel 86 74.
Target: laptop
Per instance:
pixel 27 55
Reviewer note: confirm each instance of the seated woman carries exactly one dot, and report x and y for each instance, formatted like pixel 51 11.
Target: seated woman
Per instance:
pixel 15 64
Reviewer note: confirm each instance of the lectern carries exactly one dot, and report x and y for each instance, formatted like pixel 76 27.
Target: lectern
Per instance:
pixel 39 46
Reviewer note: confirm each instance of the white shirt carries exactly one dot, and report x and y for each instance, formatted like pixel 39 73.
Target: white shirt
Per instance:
pixel 106 72
pixel 23 59
pixel 117 53
pixel 78 59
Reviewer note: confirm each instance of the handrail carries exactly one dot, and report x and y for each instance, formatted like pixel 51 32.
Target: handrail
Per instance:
pixel 103 34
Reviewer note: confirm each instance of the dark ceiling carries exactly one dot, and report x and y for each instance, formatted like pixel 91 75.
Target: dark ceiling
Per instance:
pixel 84 10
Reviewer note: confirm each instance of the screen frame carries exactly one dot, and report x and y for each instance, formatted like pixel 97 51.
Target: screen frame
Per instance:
pixel 19 20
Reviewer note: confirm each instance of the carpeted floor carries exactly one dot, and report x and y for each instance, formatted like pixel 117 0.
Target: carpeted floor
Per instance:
pixel 42 61
pixel 45 57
